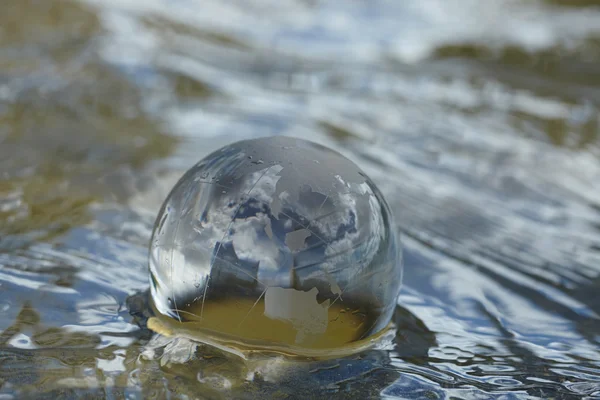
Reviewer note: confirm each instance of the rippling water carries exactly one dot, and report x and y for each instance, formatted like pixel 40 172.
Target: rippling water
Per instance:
pixel 478 120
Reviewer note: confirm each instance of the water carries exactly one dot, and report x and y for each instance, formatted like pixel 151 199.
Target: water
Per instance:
pixel 479 123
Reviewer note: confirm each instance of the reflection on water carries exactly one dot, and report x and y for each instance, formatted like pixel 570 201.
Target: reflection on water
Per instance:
pixel 479 123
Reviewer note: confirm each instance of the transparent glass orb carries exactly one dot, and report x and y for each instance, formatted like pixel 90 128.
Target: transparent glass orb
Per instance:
pixel 276 242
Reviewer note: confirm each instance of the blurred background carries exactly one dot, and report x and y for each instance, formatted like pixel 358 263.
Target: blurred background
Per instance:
pixel 477 119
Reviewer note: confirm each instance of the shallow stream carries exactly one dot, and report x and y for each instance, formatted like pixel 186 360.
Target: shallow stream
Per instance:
pixel 478 121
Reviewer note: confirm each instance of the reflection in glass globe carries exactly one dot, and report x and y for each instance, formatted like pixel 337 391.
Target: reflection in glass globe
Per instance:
pixel 276 242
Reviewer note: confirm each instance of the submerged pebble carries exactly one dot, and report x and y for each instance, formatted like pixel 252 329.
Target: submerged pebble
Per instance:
pixel 276 243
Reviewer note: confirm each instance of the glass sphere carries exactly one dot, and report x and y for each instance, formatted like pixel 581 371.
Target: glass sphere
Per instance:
pixel 276 242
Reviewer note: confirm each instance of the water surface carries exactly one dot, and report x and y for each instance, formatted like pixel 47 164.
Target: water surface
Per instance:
pixel 479 122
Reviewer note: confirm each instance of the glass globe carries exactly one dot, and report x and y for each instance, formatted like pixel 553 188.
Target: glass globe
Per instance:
pixel 276 242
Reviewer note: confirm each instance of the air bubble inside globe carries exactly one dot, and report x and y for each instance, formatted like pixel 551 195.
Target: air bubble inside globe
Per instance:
pixel 276 243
